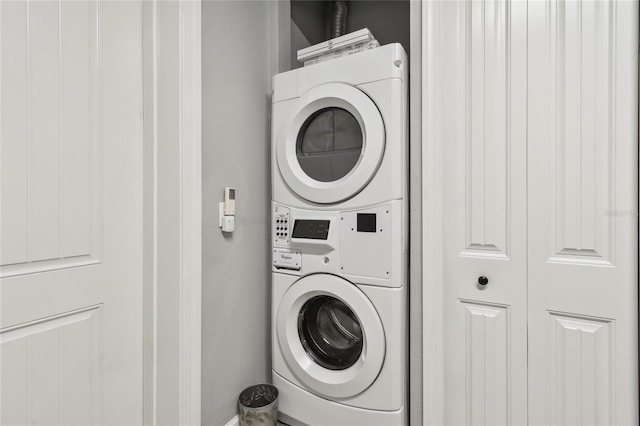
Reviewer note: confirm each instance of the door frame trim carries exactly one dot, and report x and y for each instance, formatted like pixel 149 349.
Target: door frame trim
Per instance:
pixel 173 212
pixel 432 171
pixel 190 211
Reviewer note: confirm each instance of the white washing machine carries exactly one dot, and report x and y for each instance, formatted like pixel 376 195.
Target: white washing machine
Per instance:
pixel 339 238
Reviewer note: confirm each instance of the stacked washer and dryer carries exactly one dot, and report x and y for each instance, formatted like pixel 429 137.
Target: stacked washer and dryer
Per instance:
pixel 339 237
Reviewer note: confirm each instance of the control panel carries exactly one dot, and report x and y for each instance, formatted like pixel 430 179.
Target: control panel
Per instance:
pixel 367 244
pixel 281 220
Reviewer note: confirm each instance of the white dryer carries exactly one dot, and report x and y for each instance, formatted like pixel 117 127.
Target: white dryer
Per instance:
pixel 339 131
pixel 339 237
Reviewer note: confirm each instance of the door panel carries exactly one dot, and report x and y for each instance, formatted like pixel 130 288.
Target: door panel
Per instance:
pixel 13 132
pixel 484 196
pixel 582 196
pixel 580 368
pixel 487 345
pixel 55 365
pixel 71 213
pixel 50 142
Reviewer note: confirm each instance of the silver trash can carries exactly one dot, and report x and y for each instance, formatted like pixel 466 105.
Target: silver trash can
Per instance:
pixel 258 405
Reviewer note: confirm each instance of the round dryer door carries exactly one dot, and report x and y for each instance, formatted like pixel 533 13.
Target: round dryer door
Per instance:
pixel 331 335
pixel 332 145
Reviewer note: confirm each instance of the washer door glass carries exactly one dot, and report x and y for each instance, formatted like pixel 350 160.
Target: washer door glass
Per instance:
pixel 330 332
pixel 329 144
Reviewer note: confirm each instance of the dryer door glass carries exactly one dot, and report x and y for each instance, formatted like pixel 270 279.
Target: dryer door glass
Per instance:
pixel 330 332
pixel 329 144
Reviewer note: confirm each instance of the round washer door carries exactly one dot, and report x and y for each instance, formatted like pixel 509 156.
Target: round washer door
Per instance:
pixel 332 144
pixel 330 335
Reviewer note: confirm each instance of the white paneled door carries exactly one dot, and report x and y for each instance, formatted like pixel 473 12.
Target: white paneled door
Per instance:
pixel 583 212
pixel 484 205
pixel 71 212
pixel 540 211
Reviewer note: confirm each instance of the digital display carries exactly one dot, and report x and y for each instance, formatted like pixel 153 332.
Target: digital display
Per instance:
pixel 311 229
pixel 366 222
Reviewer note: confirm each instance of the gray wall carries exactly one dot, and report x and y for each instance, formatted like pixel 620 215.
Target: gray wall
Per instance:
pixel 298 41
pixel 236 80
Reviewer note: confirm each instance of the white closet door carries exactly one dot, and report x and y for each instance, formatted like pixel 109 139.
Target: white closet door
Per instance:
pixel 484 209
pixel 71 213
pixel 583 259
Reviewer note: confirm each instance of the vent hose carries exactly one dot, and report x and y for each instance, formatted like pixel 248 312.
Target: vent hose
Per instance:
pixel 339 21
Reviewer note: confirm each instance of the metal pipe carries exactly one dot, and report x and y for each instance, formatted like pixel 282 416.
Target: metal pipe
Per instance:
pixel 339 20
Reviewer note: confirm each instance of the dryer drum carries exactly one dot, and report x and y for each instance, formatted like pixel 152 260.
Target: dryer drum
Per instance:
pixel 329 144
pixel 330 332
